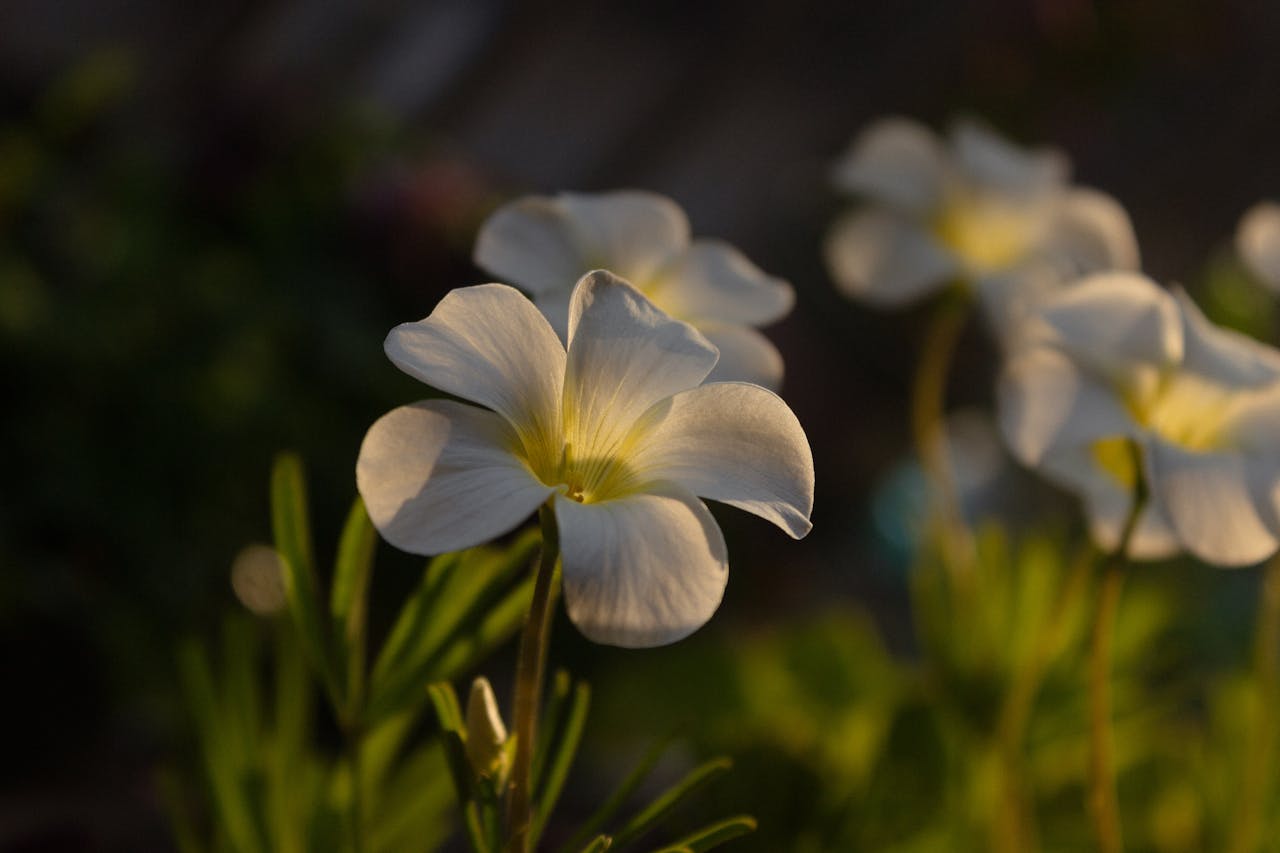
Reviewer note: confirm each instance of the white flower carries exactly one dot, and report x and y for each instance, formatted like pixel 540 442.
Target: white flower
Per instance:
pixel 1120 360
pixel 543 244
pixel 1258 242
pixel 618 431
pixel 977 210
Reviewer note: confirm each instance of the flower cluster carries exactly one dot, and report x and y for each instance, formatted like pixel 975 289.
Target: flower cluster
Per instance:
pixel 1126 380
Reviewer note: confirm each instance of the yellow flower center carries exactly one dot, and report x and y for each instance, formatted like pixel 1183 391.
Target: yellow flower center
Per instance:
pixel 585 479
pixel 1188 411
pixel 988 232
pixel 1185 410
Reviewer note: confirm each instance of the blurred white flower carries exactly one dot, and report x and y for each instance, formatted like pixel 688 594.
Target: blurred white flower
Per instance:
pixel 1258 242
pixel 1118 359
pixel 619 431
pixel 544 244
pixel 975 209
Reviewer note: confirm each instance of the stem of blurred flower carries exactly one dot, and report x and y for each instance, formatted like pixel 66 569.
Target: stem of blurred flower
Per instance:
pixel 928 423
pixel 1255 787
pixel 1102 805
pixel 529 677
pixel 1014 831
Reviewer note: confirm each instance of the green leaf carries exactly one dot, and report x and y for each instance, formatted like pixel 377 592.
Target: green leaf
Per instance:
pixel 453 735
pixel 713 835
pixel 599 844
pixel 220 759
pixel 287 763
pixel 662 806
pixel 619 797
pixel 348 604
pixel 461 610
pixel 292 530
pixel 564 750
pixel 549 722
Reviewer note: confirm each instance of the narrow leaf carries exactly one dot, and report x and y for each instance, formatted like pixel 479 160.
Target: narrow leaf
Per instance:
pixel 713 835
pixel 599 844
pixel 619 797
pixel 223 771
pixel 662 806
pixel 453 736
pixel 462 610
pixel 566 747
pixel 292 530
pixel 549 723
pixel 348 604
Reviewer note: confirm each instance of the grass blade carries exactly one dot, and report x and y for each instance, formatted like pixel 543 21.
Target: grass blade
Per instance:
pixel 348 604
pixel 598 844
pixel 620 796
pixel 566 747
pixel 662 806
pixel 713 835
pixel 292 529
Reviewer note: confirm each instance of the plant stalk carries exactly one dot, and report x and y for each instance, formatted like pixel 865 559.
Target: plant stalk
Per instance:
pixel 928 427
pixel 1255 787
pixel 1102 805
pixel 529 677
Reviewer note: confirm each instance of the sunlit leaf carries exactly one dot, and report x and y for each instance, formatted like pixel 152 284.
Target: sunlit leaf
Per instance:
pixel 348 605
pixel 292 529
pixel 461 610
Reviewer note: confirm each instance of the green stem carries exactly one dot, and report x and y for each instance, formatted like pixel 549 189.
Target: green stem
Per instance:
pixel 529 677
pixel 1102 805
pixel 928 425
pixel 1255 788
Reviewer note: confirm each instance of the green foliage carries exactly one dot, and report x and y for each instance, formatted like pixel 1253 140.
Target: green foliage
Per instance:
pixel 272 781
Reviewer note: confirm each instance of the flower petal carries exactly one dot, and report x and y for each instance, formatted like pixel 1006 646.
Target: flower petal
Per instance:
pixel 629 232
pixel 1208 499
pixel 886 260
pixel 897 161
pixel 1116 322
pixel 735 443
pixel 490 345
pixel 712 280
pixel 530 242
pixel 624 356
pixel 641 571
pixel 1093 233
pixel 1224 355
pixel 989 159
pixel 1258 242
pixel 437 476
pixel 1046 403
pixel 745 356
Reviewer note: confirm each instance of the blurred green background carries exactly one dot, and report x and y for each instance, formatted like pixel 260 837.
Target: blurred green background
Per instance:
pixel 209 219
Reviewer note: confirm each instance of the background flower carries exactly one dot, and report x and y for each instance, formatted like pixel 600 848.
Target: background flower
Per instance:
pixel 618 431
pixel 974 209
pixel 543 244
pixel 1258 242
pixel 1121 360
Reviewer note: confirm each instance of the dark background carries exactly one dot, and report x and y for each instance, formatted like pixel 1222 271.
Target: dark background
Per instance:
pixel 209 218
